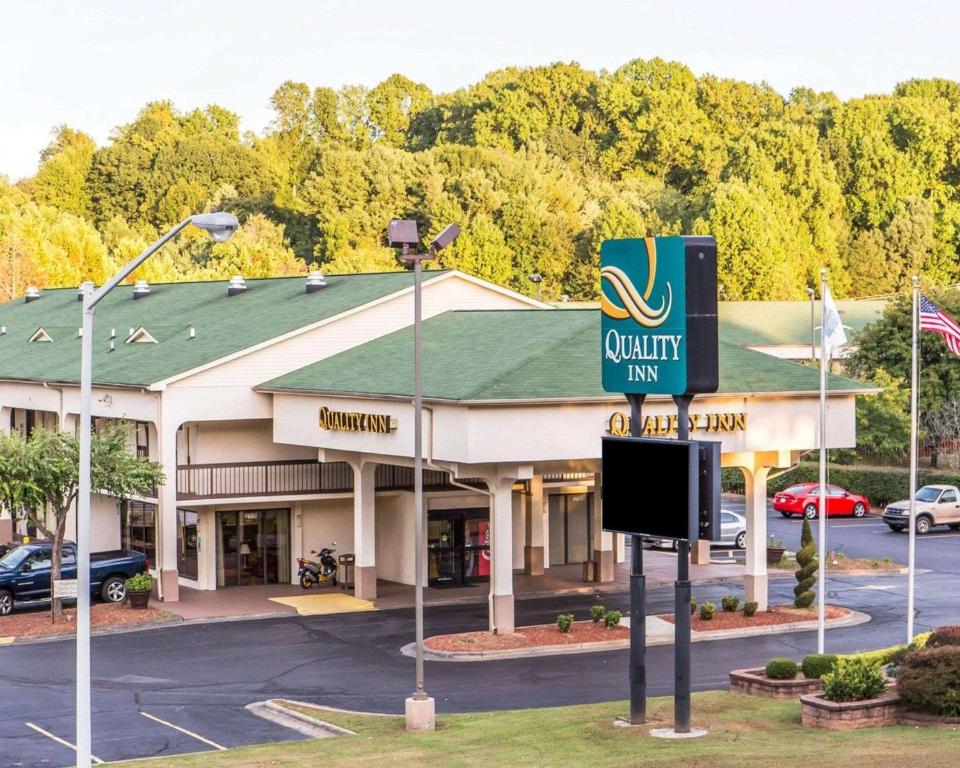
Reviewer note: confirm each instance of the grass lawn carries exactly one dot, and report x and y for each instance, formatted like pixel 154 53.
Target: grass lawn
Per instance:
pixel 744 731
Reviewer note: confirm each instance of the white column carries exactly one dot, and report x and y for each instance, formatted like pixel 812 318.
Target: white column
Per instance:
pixel 501 553
pixel 364 530
pixel 533 521
pixel 603 555
pixel 167 515
pixel 755 579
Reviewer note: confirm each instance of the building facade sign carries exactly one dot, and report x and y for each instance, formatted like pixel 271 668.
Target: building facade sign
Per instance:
pixel 618 424
pixel 354 421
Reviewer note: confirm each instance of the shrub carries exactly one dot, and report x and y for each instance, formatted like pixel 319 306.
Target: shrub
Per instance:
pixel 596 613
pixel 730 603
pixel 818 664
pixel 785 561
pixel 853 679
pixel 564 620
pixel 942 636
pixel 140 582
pixel 749 609
pixel 611 619
pixel 929 680
pixel 707 610
pixel 693 605
pixel 781 669
pixel 807 573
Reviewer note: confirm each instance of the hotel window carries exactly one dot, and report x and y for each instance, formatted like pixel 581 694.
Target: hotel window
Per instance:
pixel 138 529
pixel 143 440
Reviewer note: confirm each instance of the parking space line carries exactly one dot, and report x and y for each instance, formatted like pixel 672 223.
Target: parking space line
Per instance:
pixel 196 736
pixel 57 739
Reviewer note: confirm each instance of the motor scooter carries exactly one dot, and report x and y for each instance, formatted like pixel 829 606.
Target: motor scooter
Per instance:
pixel 318 571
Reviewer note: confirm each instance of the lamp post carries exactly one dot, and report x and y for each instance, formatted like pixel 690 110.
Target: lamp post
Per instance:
pixel 220 226
pixel 419 707
pixel 813 333
pixel 536 278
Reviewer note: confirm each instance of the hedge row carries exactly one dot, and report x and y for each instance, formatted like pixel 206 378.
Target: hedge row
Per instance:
pixel 880 485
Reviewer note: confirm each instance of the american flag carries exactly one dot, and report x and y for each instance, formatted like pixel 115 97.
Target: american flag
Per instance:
pixel 932 318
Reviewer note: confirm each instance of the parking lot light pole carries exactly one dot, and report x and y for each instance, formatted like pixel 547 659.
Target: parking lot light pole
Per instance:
pixel 220 226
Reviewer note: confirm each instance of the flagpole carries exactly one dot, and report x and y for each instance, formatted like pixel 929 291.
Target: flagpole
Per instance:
pixel 822 518
pixel 912 529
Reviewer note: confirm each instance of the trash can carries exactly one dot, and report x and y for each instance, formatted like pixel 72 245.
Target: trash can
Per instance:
pixel 345 570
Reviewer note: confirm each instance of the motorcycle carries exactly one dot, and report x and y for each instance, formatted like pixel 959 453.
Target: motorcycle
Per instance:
pixel 318 571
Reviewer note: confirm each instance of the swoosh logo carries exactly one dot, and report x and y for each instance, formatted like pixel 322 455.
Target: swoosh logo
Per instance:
pixel 632 304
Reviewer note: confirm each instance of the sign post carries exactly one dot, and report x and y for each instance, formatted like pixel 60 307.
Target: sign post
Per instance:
pixel 658 299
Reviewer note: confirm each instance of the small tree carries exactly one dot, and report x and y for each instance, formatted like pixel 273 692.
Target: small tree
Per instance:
pixel 42 477
pixel 807 574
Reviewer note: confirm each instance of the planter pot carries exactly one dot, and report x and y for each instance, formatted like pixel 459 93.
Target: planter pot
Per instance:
pixel 774 554
pixel 817 712
pixel 755 683
pixel 138 598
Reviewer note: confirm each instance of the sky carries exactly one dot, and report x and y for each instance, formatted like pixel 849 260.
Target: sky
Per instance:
pixel 92 64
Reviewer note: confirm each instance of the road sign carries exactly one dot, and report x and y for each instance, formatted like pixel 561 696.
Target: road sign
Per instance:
pixel 65 588
pixel 658 302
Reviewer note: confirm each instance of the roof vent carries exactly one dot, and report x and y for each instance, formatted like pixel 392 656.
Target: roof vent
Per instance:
pixel 32 294
pixel 237 285
pixel 86 286
pixel 140 289
pixel 40 335
pixel 316 282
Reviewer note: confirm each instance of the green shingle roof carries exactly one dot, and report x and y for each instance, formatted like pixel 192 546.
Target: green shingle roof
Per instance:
pixel 771 323
pixel 224 325
pixel 519 355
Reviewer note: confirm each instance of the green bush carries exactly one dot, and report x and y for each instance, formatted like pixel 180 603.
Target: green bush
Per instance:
pixel 781 669
pixel 564 620
pixel 929 680
pixel 785 561
pixel 140 582
pixel 596 613
pixel 707 610
pixel 807 573
pixel 941 636
pixel 693 606
pixel 749 608
pixel 730 603
pixel 818 664
pixel 853 679
pixel 611 619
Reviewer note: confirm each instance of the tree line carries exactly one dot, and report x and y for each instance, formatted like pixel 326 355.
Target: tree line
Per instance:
pixel 539 165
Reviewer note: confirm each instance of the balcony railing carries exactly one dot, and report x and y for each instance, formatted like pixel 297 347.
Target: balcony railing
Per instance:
pixel 294 477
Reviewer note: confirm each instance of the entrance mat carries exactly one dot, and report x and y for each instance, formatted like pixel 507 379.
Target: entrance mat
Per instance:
pixel 315 605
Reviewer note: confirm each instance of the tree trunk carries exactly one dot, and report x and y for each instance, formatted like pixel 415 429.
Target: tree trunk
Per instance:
pixel 56 558
pixel 933 456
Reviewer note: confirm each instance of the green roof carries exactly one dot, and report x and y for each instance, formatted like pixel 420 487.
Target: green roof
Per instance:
pixel 774 323
pixel 519 355
pixel 223 325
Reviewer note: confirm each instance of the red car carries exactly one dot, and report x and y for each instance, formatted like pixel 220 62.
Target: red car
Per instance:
pixel 804 499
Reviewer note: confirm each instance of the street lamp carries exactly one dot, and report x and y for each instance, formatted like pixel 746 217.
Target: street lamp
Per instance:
pixel 536 278
pixel 221 226
pixel 419 707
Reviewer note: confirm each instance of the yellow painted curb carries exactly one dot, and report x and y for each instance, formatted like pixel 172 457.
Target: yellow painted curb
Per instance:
pixel 316 605
pixel 7 640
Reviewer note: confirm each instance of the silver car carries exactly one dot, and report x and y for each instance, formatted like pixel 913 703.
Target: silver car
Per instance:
pixel 733 533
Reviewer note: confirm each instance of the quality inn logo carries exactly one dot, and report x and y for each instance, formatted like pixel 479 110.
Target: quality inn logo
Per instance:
pixel 632 304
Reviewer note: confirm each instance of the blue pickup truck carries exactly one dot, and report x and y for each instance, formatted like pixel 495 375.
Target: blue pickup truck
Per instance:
pixel 25 573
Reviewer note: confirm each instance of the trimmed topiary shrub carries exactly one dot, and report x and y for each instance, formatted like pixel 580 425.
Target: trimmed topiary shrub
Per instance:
pixel 929 680
pixel 693 606
pixel 807 574
pixel 611 619
pixel 749 609
pixel 564 620
pixel 942 636
pixel 730 603
pixel 707 610
pixel 781 669
pixel 853 679
pixel 596 613
pixel 818 664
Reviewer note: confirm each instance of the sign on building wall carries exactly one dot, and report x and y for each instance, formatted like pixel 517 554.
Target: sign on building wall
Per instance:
pixel 658 302
pixel 618 424
pixel 355 421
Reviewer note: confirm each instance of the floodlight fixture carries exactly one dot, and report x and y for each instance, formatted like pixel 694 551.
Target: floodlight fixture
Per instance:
pixel 536 277
pixel 220 225
pixel 402 232
pixel 445 238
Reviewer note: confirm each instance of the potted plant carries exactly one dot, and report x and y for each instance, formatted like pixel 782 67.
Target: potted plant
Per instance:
pixel 138 590
pixel 775 550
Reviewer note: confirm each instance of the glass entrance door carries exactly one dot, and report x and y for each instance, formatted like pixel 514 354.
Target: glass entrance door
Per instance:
pixel 443 552
pixel 253 547
pixel 571 539
pixel 458 544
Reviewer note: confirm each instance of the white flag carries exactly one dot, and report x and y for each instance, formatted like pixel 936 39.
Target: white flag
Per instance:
pixel 833 334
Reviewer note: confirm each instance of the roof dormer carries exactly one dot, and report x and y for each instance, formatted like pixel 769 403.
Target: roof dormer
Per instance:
pixel 140 336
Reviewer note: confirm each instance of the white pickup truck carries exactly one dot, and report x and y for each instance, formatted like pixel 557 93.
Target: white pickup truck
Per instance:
pixel 936 505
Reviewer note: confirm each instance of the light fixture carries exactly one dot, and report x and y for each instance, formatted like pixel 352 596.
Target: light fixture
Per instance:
pixel 220 225
pixel 449 233
pixel 86 286
pixel 402 232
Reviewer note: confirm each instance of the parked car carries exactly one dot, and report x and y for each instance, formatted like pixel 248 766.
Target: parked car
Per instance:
pixel 804 499
pixel 936 505
pixel 25 573
pixel 733 533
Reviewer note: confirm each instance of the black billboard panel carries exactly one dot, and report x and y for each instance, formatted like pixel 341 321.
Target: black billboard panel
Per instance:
pixel 651 487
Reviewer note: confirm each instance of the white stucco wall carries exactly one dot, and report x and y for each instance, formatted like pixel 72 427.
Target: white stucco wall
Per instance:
pixel 395 537
pixel 324 522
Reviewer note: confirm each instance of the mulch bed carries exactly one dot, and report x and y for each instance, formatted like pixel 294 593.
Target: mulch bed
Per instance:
pixel 526 637
pixel 778 614
pixel 102 616
pixel 862 564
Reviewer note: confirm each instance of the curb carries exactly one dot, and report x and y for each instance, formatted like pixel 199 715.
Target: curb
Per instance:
pixel 277 713
pixel 853 619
